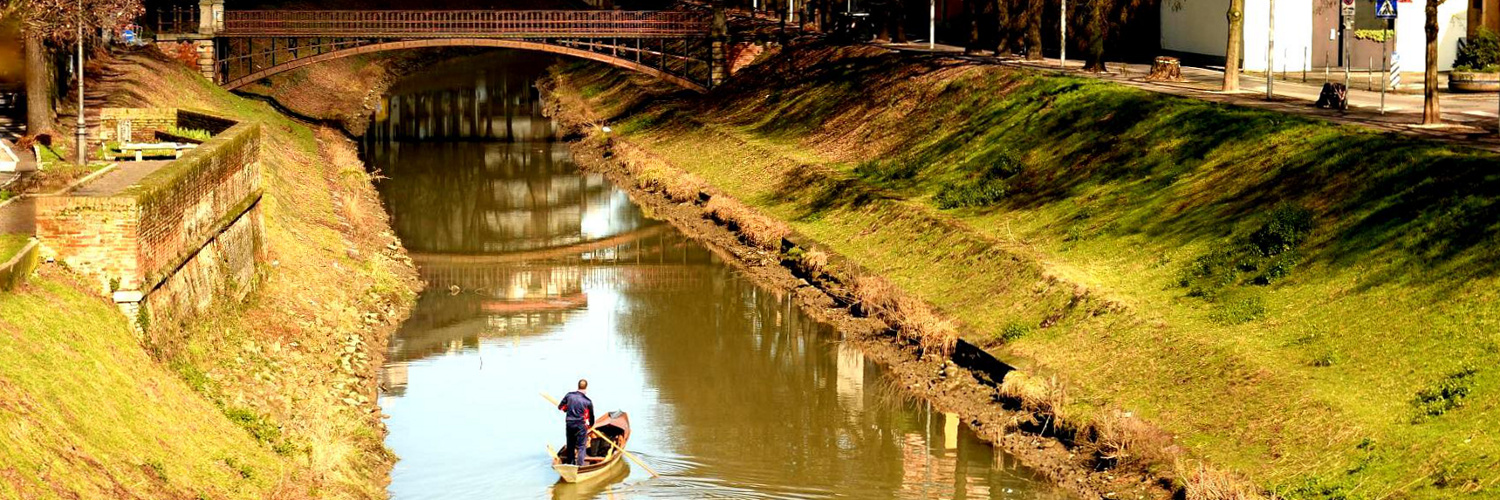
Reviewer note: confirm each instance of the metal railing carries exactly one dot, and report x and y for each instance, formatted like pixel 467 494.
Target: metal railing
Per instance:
pixel 176 19
pixel 465 23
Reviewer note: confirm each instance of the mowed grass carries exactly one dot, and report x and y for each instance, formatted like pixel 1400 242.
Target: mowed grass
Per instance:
pixel 10 244
pixel 133 427
pixel 1125 241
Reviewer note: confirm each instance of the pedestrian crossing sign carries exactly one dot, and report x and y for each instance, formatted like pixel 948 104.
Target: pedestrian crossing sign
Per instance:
pixel 1385 9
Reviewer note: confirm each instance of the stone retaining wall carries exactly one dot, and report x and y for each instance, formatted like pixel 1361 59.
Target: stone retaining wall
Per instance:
pixel 174 241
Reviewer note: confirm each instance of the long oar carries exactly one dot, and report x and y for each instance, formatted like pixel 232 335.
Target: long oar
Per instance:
pixel 612 444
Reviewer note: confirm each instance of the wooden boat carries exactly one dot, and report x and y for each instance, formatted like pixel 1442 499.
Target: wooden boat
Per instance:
pixel 602 459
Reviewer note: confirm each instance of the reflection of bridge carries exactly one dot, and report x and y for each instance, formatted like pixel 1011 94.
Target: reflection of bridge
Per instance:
pixel 245 46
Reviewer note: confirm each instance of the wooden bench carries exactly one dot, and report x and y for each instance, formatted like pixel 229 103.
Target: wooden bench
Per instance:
pixel 140 148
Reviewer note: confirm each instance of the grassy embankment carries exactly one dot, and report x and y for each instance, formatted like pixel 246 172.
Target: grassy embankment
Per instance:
pixel 1311 306
pixel 270 398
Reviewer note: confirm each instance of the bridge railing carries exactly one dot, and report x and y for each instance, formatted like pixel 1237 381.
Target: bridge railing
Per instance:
pixel 465 23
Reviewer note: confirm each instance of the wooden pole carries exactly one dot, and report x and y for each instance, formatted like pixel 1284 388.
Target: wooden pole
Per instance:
pixel 612 444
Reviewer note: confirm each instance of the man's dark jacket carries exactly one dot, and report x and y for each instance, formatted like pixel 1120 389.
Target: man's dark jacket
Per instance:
pixel 579 408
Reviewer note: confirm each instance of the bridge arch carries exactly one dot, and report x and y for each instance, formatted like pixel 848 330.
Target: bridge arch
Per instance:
pixel 463 42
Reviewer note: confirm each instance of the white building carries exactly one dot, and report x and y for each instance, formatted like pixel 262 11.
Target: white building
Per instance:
pixel 1307 33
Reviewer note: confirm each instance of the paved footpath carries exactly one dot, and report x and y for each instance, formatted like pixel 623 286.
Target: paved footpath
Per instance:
pixel 1471 119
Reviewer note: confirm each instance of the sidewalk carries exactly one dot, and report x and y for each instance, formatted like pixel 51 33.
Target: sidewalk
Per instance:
pixel 1470 119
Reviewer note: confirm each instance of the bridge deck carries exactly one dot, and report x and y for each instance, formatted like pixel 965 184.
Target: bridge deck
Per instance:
pixel 464 23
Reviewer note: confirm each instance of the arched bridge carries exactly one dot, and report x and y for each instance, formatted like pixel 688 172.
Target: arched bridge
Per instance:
pixel 237 48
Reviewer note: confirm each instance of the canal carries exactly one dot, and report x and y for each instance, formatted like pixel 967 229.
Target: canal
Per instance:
pixel 539 274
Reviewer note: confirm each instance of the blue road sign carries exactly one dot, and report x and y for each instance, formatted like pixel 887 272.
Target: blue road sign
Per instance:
pixel 1385 9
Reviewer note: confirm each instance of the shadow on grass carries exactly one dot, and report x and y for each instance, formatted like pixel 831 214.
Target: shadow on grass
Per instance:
pixel 1177 170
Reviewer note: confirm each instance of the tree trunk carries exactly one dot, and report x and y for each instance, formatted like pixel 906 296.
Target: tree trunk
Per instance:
pixel 1236 16
pixel 38 87
pixel 1096 29
pixel 1431 112
pixel 1002 27
pixel 971 10
pixel 1034 29
pixel 900 18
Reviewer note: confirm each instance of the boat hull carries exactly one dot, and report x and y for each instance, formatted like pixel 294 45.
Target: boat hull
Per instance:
pixel 576 474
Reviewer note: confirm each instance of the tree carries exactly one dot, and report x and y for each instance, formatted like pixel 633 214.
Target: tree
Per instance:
pixel 1002 27
pixel 1431 112
pixel 1099 21
pixel 1033 20
pixel 1236 37
pixel 56 22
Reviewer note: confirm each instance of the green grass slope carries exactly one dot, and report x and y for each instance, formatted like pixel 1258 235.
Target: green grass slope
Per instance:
pixel 1311 305
pixel 86 413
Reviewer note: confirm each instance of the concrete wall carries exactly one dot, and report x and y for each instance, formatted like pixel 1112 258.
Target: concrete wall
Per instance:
pixel 1411 43
pixel 1195 27
pixel 179 238
pixel 1301 32
pixel 1293 37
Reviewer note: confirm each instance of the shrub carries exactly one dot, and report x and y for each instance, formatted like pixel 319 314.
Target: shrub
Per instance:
pixel 1480 53
pixel 1286 227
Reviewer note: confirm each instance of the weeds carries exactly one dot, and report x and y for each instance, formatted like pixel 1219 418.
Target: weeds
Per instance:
pixel 1447 395
pixel 987 188
pixel 1287 226
pixel 1238 312
pixel 1014 331
pixel 1267 256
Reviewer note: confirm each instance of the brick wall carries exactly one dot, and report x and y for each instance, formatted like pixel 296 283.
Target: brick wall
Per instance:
pixel 223 269
pixel 191 200
pixel 143 123
pixel 139 238
pixel 95 236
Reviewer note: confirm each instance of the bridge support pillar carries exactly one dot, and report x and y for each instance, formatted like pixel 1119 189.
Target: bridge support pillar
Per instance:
pixel 210 17
pixel 719 64
pixel 206 57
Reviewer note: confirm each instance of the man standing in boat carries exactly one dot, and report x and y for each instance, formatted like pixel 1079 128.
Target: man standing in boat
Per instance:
pixel 580 418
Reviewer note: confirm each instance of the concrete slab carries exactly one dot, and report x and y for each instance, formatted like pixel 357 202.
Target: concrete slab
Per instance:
pixel 124 175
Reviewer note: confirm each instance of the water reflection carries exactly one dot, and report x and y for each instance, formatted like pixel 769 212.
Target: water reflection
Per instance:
pixel 539 275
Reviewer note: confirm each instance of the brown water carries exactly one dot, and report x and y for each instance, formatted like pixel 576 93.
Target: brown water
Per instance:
pixel 540 275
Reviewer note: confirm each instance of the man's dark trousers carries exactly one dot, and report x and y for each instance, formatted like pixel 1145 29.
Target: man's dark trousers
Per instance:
pixel 578 433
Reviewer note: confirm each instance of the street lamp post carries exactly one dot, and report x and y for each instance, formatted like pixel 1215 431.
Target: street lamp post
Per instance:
pixel 1270 49
pixel 82 135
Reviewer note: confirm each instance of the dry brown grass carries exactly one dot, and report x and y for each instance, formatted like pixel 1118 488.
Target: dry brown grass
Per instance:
pixel 1044 395
pixel 912 318
pixel 1120 439
pixel 756 229
pixel 1203 483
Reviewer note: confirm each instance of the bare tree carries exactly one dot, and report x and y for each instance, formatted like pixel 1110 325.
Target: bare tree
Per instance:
pixel 57 22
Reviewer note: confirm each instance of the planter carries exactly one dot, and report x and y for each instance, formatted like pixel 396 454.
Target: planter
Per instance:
pixel 1467 81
